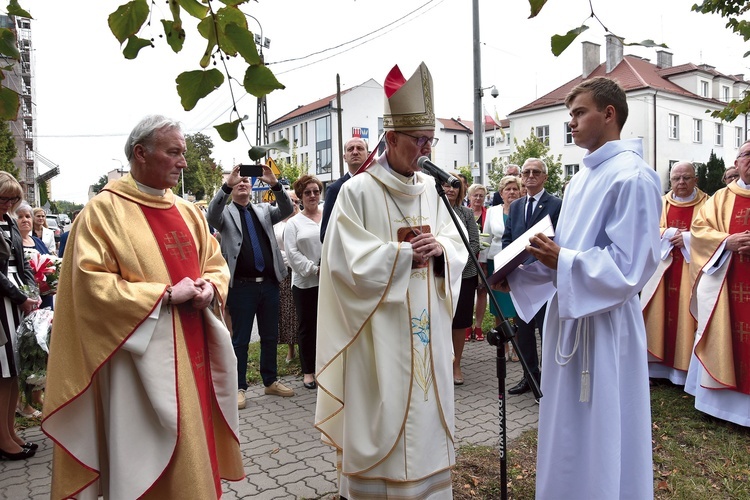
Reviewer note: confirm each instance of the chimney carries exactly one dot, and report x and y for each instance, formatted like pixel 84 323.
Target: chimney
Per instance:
pixel 663 59
pixel 590 57
pixel 614 52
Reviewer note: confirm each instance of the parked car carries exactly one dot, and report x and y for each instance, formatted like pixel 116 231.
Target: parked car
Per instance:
pixel 63 219
pixel 53 224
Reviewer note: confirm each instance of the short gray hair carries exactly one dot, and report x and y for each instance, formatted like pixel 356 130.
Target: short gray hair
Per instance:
pixel 24 207
pixel 143 133
pixel 544 165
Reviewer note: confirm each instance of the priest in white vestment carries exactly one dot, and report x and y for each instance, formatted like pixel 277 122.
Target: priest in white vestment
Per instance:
pixel 719 373
pixel 594 417
pixel 389 283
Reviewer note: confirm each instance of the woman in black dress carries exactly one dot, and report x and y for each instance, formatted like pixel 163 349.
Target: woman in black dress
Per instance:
pixel 14 272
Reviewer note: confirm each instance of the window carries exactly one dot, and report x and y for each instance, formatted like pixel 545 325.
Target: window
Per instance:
pixel 273 137
pixel 703 88
pixel 737 137
pixel 294 134
pixel 281 134
pixel 674 126
pixel 568 134
pixel 725 93
pixel 719 134
pixel 490 141
pixel 303 134
pixel 571 170
pixel 471 144
pixel 543 133
pixel 455 139
pixel 697 130
pixel 455 163
pixel 323 154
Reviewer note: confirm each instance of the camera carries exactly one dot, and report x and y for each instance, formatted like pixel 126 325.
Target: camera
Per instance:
pixel 251 170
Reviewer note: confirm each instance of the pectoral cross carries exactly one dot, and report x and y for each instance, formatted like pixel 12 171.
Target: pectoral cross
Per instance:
pixel 743 217
pixel 740 293
pixel 177 244
pixel 680 225
pixel 743 331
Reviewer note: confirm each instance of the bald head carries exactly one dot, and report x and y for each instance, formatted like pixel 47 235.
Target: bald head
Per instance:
pixel 355 153
pixel 682 179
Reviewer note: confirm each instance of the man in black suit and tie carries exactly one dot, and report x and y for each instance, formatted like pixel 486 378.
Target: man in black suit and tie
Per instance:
pixel 355 154
pixel 524 213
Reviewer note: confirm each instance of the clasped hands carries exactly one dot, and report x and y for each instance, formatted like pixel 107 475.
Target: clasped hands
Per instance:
pixel 424 246
pixel 200 292
pixel 739 242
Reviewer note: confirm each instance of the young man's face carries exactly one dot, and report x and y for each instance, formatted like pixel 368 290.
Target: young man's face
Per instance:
pixel 588 123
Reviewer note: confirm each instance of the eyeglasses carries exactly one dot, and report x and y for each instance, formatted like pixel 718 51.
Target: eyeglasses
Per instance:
pixel 686 178
pixel 315 192
pixel 731 177
pixel 422 140
pixel 531 172
pixel 742 155
pixel 4 200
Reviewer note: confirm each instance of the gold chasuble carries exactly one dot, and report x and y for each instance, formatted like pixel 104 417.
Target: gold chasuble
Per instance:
pixel 722 298
pixel 385 398
pixel 666 297
pixel 141 395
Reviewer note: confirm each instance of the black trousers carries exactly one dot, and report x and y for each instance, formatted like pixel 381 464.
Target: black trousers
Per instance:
pixel 526 340
pixel 306 303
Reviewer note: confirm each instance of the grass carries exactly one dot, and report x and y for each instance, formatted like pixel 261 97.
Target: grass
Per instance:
pixel 695 456
pixel 283 369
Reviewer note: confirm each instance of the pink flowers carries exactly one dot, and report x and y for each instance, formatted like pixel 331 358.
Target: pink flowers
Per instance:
pixel 46 269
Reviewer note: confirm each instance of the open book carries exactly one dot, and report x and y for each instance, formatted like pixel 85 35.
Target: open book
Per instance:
pixel 515 254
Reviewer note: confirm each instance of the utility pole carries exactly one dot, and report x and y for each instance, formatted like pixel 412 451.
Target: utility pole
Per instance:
pixel 478 119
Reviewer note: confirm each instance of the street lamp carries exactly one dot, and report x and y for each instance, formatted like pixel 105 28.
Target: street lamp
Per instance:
pixel 120 170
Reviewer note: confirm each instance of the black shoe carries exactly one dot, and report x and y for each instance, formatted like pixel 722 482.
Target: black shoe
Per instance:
pixel 30 446
pixel 22 455
pixel 522 387
pixel 310 385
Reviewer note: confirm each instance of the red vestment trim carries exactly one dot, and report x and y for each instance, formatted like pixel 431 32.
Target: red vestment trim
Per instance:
pixel 180 255
pixel 679 217
pixel 738 288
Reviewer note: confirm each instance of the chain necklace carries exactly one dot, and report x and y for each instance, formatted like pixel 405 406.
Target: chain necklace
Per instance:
pixel 415 231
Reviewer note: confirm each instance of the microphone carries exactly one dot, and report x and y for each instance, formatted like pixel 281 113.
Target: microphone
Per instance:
pixel 430 168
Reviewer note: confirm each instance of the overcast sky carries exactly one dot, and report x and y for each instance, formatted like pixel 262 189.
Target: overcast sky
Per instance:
pixel 88 97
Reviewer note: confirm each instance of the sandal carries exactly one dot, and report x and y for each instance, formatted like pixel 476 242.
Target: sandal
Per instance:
pixel 478 334
pixel 468 334
pixel 33 414
pixel 513 355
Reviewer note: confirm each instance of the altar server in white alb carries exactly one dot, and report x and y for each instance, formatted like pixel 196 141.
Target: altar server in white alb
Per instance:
pixel 595 418
pixel 389 283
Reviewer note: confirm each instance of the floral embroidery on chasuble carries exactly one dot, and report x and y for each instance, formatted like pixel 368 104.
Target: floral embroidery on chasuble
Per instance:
pixel 178 250
pixel 738 286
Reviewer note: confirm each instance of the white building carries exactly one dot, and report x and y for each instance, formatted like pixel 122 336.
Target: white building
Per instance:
pixel 667 108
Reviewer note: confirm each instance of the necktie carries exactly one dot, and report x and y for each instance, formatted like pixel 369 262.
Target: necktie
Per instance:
pixel 529 211
pixel 254 239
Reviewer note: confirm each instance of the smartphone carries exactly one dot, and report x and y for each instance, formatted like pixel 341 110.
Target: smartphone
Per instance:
pixel 251 170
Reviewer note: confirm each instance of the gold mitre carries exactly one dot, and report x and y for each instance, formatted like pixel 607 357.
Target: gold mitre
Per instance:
pixel 408 103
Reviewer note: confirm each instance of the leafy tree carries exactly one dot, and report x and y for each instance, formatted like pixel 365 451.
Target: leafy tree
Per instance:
pixel 534 147
pixel 43 195
pixel 466 170
pixel 8 150
pixel 496 173
pixel 291 169
pixel 100 183
pixel 710 174
pixel 68 207
pixel 202 176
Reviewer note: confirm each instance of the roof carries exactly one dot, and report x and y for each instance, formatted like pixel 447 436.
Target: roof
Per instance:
pixel 307 108
pixel 454 124
pixel 468 126
pixel 633 73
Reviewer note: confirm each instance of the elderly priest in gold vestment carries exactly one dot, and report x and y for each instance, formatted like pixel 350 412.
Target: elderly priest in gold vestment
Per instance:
pixel 719 373
pixel 389 282
pixel 665 299
pixel 141 388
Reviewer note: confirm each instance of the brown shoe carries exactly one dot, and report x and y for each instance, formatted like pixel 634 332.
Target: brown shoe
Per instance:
pixel 241 399
pixel 279 389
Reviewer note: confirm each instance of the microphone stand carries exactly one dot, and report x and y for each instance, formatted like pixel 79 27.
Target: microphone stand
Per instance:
pixel 497 337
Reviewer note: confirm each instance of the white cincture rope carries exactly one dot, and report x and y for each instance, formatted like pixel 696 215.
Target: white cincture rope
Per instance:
pixel 563 359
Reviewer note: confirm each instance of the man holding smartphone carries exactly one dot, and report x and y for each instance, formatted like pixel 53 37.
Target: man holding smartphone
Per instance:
pixel 256 268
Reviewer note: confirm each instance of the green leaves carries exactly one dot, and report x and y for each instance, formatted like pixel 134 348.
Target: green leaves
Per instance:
pixel 127 20
pixel 259 81
pixel 645 43
pixel 134 45
pixel 244 42
pixel 8 45
pixel 9 104
pixel 228 131
pixel 561 42
pixel 193 7
pixel 258 152
pixel 536 7
pixel 15 10
pixel 195 85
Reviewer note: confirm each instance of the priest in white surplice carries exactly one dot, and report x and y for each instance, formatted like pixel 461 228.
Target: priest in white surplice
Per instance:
pixel 389 282
pixel 594 418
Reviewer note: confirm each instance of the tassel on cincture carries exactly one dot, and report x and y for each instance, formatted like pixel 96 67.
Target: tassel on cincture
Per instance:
pixel 585 386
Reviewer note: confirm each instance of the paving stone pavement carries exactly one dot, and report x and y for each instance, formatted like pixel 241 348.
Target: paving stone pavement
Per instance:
pixel 283 455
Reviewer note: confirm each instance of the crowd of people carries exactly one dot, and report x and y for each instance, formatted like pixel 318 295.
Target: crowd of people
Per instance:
pixel 377 295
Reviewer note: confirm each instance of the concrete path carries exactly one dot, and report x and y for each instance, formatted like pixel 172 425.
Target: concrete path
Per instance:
pixel 283 455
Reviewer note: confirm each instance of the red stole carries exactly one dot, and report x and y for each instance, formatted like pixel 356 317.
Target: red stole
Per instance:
pixel 181 259
pixel 738 287
pixel 679 217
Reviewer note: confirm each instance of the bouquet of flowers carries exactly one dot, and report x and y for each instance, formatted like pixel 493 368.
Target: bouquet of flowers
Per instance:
pixel 33 348
pixel 46 269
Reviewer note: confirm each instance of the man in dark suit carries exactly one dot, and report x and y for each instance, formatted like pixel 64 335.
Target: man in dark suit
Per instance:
pixel 524 213
pixel 509 170
pixel 256 268
pixel 355 154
